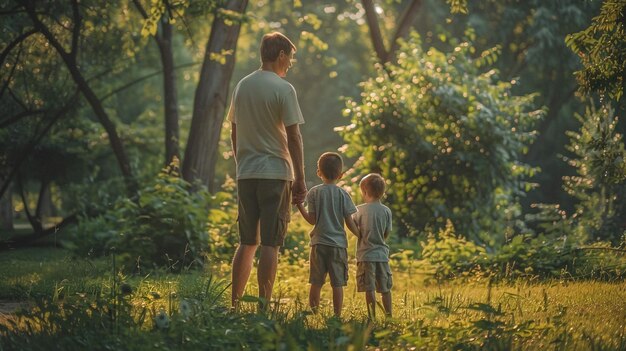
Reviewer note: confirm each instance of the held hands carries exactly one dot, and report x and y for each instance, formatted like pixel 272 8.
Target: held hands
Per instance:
pixel 298 192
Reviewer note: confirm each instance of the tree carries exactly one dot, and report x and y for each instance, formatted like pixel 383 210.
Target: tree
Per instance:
pixel 448 143
pixel 70 59
pixel 600 181
pixel 67 38
pixel 212 93
pixel 212 88
pixel 602 51
pixel 531 39
pixel 159 23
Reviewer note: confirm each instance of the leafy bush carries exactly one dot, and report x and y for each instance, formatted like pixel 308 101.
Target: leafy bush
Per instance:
pixel 449 255
pixel 447 135
pixel 168 225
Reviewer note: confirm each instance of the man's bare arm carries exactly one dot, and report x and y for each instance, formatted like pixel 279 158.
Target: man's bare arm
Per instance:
pixel 233 137
pixel 294 142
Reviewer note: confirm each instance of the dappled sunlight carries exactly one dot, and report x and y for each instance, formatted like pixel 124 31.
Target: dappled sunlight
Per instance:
pixel 494 130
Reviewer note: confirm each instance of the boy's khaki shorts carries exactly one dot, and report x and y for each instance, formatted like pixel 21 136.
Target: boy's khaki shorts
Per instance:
pixel 372 276
pixel 264 206
pixel 328 259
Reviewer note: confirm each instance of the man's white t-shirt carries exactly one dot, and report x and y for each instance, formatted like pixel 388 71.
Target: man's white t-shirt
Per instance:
pixel 263 104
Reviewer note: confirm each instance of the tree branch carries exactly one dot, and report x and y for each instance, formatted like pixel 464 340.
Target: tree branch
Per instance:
pixel 140 79
pixel 13 11
pixel 377 38
pixel 6 83
pixel 7 122
pixel 25 240
pixel 96 104
pixel 35 140
pixel 30 9
pixel 14 43
pixel 406 21
pixel 75 29
pixel 19 102
pixel 140 8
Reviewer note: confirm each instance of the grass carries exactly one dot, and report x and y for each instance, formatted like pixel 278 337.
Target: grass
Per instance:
pixel 468 314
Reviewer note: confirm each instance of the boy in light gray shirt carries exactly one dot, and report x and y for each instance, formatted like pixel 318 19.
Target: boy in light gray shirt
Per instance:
pixel 329 206
pixel 374 222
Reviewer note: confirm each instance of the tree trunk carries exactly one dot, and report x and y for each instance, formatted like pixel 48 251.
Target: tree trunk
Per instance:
pixel 35 222
pixel 45 206
pixel 210 100
pixel 169 91
pixel 6 210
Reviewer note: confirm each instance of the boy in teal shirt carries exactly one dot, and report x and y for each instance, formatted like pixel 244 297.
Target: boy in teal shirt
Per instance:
pixel 329 206
pixel 374 222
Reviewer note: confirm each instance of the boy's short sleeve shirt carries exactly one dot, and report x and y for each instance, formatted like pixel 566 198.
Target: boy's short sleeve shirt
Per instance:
pixel 330 204
pixel 373 220
pixel 262 106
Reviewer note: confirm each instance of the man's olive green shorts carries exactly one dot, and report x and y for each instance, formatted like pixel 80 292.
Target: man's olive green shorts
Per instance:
pixel 264 211
pixel 372 276
pixel 329 260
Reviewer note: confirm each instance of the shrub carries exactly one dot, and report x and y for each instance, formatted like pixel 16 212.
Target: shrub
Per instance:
pixel 449 255
pixel 447 135
pixel 169 224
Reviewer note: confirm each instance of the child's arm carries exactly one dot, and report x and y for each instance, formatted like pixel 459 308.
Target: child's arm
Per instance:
pixel 308 216
pixel 352 226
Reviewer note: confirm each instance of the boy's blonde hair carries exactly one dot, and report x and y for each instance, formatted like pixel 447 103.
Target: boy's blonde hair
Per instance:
pixel 331 165
pixel 374 184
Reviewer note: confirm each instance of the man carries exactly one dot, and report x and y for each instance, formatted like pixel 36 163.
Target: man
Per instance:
pixel 265 117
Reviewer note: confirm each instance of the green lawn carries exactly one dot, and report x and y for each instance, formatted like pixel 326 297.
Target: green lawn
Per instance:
pixel 468 314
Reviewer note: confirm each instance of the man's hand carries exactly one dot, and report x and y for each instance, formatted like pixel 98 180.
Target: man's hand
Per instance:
pixel 298 192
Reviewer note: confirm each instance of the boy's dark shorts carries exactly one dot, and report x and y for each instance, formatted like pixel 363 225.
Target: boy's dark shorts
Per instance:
pixel 264 211
pixel 372 276
pixel 329 260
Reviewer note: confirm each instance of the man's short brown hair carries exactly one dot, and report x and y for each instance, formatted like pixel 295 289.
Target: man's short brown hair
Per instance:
pixel 272 44
pixel 374 184
pixel 331 165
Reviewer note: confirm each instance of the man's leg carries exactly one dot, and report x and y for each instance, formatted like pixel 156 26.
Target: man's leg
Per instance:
pixel 314 297
pixel 266 271
pixel 337 300
pixel 242 265
pixel 274 205
pixel 370 301
pixel 386 297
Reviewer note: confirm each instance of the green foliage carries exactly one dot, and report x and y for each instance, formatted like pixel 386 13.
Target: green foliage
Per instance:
pixel 449 255
pixel 447 136
pixel 167 225
pixel 599 185
pixel 602 50
pixel 457 6
pixel 531 35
